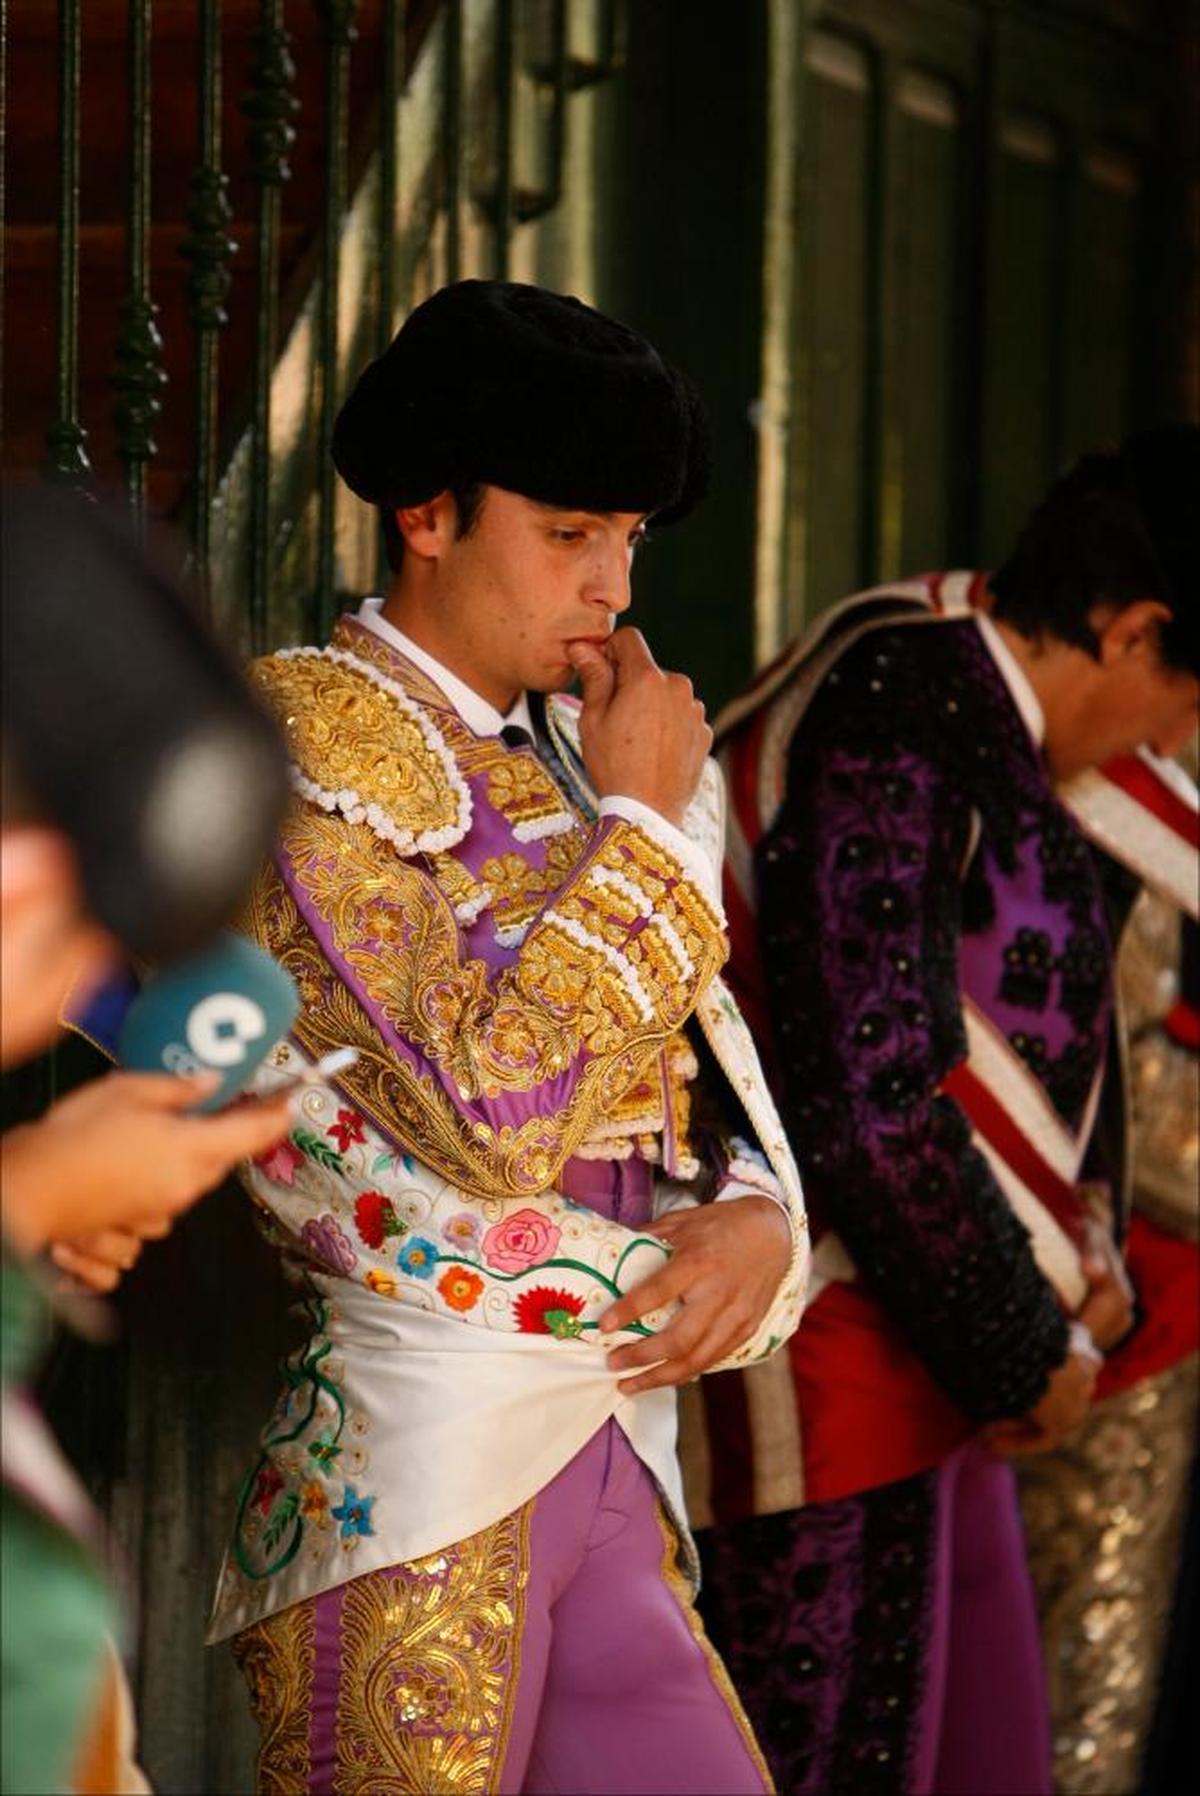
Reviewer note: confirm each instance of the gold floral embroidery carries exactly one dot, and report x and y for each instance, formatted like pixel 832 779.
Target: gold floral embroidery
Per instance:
pixel 472 754
pixel 364 748
pixel 277 1657
pixel 430 1662
pixel 523 792
pixel 681 1588
pixel 519 887
pixel 639 1116
pixel 468 895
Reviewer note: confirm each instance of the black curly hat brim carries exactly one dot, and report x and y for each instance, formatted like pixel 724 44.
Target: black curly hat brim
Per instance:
pixel 512 386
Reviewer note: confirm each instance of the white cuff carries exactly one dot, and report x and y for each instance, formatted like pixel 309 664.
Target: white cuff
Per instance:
pixel 739 1188
pixel 691 858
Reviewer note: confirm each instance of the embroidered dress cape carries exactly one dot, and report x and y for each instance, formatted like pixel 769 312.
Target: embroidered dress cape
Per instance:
pixel 518 974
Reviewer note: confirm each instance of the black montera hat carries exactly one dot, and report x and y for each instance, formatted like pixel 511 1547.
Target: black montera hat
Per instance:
pixel 517 387
pixel 127 727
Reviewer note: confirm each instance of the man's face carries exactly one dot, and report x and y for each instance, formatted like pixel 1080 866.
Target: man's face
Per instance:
pixel 1130 698
pixel 526 582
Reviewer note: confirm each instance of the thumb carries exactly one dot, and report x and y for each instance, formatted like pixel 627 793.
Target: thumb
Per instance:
pixel 596 674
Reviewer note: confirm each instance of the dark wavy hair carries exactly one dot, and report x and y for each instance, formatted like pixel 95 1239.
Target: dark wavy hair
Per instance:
pixel 1120 525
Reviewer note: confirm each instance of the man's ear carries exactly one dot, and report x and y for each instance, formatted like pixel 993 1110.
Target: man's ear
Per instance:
pixel 428 529
pixel 1135 629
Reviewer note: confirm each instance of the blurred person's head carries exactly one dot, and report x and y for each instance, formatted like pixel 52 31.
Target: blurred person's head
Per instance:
pixel 1102 592
pixel 139 782
pixel 516 443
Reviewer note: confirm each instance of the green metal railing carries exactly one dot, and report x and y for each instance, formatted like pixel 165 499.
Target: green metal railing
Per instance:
pixel 138 375
pixel 464 154
pixel 269 108
pixel 66 439
pixel 208 249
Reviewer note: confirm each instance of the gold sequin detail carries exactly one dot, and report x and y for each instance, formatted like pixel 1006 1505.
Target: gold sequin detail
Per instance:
pixel 276 1657
pixel 1104 1519
pixel 430 1663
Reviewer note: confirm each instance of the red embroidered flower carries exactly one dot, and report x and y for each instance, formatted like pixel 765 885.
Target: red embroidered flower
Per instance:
pixel 545 1311
pixel 348 1127
pixel 267 1487
pixel 280 1162
pixel 375 1218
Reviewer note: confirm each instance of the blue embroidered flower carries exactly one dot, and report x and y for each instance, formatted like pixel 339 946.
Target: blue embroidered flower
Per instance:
pixel 418 1257
pixel 354 1513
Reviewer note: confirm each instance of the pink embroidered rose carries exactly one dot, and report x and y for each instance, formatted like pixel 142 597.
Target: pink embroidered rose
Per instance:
pixel 280 1162
pixel 521 1240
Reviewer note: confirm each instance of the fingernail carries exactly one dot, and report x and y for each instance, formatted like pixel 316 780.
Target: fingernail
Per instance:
pixel 295 1106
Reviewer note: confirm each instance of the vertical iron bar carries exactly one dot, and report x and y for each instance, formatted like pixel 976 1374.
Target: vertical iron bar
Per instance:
pixel 505 106
pixel 881 79
pixel 395 80
pixel 208 249
pixel 529 202
pixel 452 136
pixel 337 17
pixel 139 374
pixel 66 439
pixel 269 107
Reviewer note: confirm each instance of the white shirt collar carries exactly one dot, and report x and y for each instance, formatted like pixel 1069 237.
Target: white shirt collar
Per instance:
pixel 1015 678
pixel 476 713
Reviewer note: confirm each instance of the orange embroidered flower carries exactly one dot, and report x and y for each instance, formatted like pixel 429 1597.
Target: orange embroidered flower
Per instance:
pixel 460 1287
pixel 383 1282
pixel 314 1503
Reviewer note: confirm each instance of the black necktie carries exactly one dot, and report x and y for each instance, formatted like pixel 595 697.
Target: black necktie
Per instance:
pixel 514 735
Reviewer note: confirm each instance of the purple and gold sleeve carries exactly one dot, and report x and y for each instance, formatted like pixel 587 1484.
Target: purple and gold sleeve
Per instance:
pixel 492 1077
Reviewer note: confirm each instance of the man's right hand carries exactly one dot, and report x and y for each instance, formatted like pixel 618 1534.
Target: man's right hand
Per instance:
pixel 1062 1407
pixel 642 731
pixel 121 1154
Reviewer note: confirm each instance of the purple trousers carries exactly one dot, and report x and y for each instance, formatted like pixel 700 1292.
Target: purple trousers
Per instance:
pixel 556 1651
pixel 887 1644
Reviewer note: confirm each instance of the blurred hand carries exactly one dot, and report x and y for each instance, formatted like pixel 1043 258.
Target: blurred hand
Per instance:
pixel 99 1261
pixel 1061 1409
pixel 1107 1310
pixel 118 1159
pixel 642 731
pixel 726 1263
